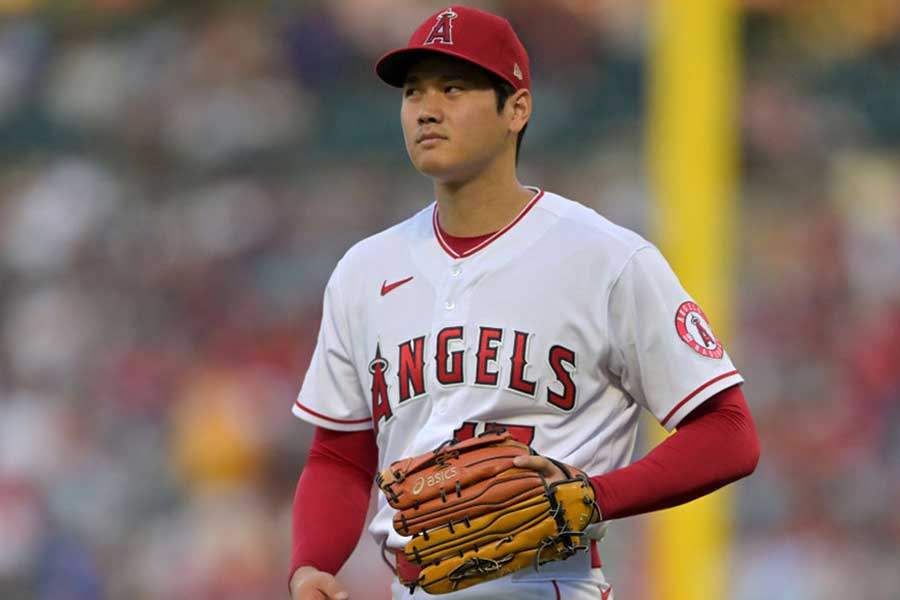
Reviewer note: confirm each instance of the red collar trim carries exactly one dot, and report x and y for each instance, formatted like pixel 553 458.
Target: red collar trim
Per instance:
pixel 453 253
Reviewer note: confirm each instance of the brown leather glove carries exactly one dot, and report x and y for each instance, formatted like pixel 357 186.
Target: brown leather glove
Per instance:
pixel 474 516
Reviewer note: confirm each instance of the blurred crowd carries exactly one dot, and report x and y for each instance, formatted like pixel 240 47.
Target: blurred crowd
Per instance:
pixel 179 179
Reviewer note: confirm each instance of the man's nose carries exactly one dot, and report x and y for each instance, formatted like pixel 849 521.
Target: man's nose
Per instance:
pixel 430 109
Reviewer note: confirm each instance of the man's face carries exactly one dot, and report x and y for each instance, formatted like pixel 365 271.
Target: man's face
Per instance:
pixel 450 120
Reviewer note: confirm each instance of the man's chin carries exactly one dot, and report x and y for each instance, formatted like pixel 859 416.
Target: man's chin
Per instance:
pixel 437 170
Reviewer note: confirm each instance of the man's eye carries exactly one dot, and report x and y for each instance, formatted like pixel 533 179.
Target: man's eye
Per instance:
pixel 409 92
pixel 452 88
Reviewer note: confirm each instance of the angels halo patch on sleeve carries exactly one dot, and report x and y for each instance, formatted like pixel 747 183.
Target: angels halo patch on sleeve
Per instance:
pixel 693 328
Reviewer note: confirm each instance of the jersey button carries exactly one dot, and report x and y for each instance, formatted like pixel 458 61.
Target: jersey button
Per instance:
pixel 455 271
pixel 449 305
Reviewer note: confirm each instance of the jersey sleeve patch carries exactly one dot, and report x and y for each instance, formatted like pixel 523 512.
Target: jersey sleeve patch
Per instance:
pixel 694 330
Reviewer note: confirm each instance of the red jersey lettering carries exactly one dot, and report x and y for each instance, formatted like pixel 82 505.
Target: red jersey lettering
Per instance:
pixel 560 359
pixel 517 381
pixel 489 341
pixel 449 364
pixel 411 368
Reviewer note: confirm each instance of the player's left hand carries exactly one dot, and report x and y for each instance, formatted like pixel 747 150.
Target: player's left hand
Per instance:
pixel 542 465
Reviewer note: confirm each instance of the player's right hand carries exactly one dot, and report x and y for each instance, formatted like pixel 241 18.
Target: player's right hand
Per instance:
pixel 309 583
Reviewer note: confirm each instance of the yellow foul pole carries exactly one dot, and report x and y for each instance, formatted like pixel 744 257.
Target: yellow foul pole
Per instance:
pixel 692 144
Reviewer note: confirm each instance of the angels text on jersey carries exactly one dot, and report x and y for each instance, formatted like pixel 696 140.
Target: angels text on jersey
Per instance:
pixel 540 371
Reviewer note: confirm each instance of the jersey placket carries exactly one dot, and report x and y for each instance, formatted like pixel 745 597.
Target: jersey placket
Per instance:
pixel 451 309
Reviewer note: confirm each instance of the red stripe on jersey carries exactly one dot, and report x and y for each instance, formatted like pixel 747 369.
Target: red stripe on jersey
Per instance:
pixel 332 419
pixel 555 587
pixel 695 392
pixel 449 250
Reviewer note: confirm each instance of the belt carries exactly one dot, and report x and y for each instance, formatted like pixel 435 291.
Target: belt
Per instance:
pixel 408 571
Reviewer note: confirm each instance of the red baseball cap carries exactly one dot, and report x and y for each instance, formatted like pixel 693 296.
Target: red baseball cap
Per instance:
pixel 473 35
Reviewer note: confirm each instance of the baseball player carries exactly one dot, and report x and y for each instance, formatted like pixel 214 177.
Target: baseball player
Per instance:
pixel 501 305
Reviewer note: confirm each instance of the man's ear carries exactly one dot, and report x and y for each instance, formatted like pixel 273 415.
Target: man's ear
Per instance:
pixel 520 106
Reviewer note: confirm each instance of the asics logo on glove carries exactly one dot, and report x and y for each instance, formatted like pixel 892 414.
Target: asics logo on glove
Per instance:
pixel 433 480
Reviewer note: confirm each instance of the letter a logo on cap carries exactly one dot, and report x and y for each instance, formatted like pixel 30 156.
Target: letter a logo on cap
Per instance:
pixel 443 28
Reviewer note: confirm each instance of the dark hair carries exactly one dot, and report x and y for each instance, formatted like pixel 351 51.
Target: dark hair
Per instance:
pixel 504 90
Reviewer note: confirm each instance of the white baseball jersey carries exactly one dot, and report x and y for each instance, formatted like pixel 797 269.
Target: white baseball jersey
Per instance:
pixel 560 327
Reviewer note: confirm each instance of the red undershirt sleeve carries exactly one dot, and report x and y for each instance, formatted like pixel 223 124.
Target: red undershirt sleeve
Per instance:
pixel 714 445
pixel 332 498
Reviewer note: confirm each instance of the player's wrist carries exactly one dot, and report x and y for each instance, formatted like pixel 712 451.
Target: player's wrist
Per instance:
pixel 594 482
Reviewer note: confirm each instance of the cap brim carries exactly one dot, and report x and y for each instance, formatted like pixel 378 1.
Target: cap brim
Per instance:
pixel 392 67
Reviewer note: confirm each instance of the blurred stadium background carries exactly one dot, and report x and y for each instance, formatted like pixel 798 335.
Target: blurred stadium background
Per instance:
pixel 179 178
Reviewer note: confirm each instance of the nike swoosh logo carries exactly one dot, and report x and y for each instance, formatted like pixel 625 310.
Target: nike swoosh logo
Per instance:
pixel 386 288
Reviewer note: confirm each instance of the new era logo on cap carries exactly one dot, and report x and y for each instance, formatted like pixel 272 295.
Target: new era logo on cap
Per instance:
pixel 479 37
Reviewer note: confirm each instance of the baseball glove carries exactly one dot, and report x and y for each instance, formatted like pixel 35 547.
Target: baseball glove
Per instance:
pixel 474 516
